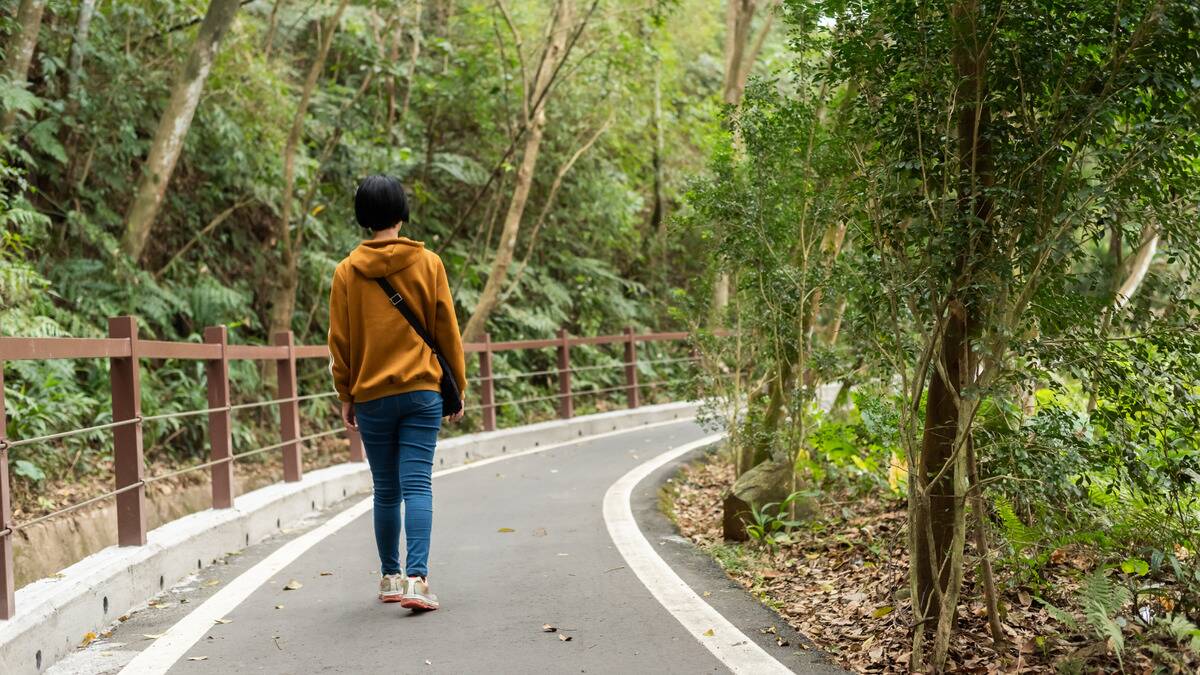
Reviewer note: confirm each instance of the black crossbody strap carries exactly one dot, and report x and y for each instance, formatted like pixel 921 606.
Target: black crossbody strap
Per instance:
pixel 398 303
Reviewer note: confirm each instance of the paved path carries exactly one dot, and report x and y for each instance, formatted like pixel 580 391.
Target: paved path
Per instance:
pixel 559 566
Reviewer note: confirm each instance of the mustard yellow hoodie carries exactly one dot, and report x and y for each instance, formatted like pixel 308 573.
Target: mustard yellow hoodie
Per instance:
pixel 375 352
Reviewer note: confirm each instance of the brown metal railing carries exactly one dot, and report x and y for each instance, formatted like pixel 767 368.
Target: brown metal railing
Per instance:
pixel 124 350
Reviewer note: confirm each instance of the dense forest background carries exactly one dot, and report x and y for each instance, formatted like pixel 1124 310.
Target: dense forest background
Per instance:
pixel 193 163
pixel 940 262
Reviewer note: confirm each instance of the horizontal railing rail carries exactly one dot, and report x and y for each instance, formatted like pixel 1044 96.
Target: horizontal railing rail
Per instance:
pixel 125 350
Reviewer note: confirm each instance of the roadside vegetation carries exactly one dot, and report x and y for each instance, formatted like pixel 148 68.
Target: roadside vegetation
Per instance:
pixel 941 261
pixel 957 247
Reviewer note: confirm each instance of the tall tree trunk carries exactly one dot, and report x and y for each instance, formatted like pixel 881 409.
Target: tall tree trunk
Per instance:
pixel 1137 267
pixel 283 295
pixel 740 55
pixel 83 24
pixel 272 27
pixel 552 54
pixel 657 216
pixel 417 36
pixel 173 127
pixel 939 524
pixel 19 53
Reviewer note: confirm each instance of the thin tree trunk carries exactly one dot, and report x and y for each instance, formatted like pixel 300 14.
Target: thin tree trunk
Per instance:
pixel 1138 266
pixel 392 57
pixel 940 527
pixel 739 15
pixel 173 127
pixel 657 216
pixel 552 54
pixel 283 300
pixel 272 26
pixel 553 192
pixel 990 598
pixel 416 36
pixel 83 24
pixel 19 53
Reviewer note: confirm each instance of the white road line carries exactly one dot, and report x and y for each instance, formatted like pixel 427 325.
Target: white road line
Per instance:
pixel 731 646
pixel 179 638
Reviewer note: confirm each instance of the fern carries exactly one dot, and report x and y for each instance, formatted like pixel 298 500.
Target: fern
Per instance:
pixel 1018 533
pixel 1184 631
pixel 1102 599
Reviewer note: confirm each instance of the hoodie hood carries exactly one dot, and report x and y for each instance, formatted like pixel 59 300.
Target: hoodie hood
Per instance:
pixel 384 257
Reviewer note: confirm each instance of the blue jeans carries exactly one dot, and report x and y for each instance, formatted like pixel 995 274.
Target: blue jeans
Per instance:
pixel 399 434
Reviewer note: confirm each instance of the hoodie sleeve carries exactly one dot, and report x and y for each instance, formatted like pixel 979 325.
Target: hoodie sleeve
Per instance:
pixel 445 329
pixel 339 337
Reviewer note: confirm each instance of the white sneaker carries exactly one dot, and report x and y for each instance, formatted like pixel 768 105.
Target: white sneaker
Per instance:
pixel 417 595
pixel 391 588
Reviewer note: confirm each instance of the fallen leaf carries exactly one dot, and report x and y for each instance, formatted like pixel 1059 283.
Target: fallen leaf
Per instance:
pixel 539 532
pixel 1058 555
pixel 548 628
pixel 212 582
pixel 197 658
pixel 223 621
pixel 278 606
pixel 707 593
pixel 293 585
pixel 883 611
pixel 506 530
pixel 709 633
pixel 564 638
pixel 428 662
pixel 767 631
pixel 781 642
pixel 106 653
pixel 326 574
pixel 88 637
pixel 152 636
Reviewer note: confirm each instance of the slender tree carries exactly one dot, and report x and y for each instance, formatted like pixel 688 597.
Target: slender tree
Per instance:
pixel 173 127
pixel 554 53
pixel 283 293
pixel 19 53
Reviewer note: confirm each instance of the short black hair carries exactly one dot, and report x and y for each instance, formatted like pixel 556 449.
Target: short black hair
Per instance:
pixel 379 203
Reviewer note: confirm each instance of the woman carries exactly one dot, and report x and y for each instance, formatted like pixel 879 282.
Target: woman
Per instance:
pixel 388 378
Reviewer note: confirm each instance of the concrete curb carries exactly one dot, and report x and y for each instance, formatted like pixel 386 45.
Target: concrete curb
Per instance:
pixel 54 614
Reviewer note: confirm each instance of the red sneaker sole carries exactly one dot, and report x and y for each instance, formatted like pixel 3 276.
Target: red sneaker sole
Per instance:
pixel 419 605
pixel 390 598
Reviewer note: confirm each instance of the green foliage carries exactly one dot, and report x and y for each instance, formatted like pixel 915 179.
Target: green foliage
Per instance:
pixel 68 171
pixel 771 525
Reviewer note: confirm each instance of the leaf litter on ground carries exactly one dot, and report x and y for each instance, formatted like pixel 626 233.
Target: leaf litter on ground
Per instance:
pixel 843 584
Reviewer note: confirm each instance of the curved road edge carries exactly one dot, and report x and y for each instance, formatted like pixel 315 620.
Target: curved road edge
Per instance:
pixel 676 567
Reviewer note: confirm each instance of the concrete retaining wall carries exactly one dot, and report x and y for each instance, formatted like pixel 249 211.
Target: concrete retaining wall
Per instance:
pixel 54 614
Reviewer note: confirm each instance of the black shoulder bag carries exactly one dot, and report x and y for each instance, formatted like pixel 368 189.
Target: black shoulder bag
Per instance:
pixel 451 396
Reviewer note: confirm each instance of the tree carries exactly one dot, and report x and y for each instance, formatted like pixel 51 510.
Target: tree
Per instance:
pixel 19 54
pixel 983 198
pixel 742 48
pixel 561 35
pixel 83 23
pixel 283 291
pixel 173 127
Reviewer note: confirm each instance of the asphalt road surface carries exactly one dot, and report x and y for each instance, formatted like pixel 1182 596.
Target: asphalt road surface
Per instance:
pixel 516 544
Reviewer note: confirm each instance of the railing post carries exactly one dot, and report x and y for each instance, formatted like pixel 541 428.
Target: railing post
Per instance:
pixel 566 407
pixel 488 396
pixel 289 408
pixel 356 447
pixel 632 394
pixel 125 379
pixel 8 585
pixel 220 427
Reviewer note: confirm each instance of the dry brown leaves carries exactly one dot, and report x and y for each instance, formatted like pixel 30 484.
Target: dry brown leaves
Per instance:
pixel 844 585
